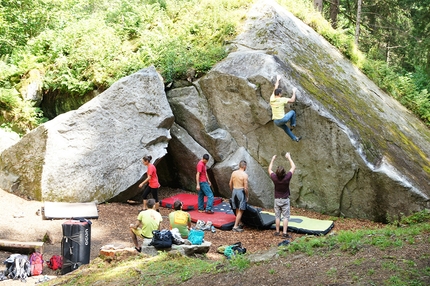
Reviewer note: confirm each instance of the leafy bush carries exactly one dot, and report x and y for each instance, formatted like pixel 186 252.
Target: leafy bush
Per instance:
pixel 418 217
pixel 19 116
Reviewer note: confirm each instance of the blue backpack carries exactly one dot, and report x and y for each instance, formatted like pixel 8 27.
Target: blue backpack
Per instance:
pixel 196 236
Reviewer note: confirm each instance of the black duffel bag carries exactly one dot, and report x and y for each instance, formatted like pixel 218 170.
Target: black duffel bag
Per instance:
pixel 161 239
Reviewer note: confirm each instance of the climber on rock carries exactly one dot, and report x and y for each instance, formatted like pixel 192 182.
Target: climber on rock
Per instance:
pixel 280 118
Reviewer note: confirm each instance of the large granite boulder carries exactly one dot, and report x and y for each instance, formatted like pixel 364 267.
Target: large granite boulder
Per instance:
pixel 261 192
pixel 362 154
pixel 93 153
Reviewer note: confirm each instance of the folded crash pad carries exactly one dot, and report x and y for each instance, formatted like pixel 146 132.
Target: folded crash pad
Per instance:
pixel 302 224
pixel 253 217
pixel 59 210
pixel 189 201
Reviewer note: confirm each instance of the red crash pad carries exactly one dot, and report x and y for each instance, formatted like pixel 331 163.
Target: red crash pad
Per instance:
pixel 189 201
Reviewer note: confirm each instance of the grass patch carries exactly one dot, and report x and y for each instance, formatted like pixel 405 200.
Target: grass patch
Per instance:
pixel 162 269
pixel 352 241
pixel 239 262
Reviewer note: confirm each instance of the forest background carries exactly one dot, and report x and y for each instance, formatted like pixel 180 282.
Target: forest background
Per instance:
pixel 80 47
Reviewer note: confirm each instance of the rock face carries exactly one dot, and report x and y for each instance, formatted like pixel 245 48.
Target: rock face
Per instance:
pixel 362 154
pixel 93 153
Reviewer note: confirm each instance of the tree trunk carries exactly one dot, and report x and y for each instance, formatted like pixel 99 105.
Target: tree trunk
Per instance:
pixel 334 10
pixel 318 5
pixel 357 24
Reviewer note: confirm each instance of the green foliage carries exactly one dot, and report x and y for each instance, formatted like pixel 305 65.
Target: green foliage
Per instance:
pixel 418 217
pixel 240 262
pixel 86 45
pixel 332 272
pixel 165 269
pixel 306 244
pixel 410 89
pixel 19 116
pixel 20 20
pixel 354 241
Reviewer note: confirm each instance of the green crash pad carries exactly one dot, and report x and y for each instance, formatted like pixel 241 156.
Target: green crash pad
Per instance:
pixel 302 224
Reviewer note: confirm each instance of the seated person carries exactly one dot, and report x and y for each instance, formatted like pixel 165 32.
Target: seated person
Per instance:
pixel 147 221
pixel 180 219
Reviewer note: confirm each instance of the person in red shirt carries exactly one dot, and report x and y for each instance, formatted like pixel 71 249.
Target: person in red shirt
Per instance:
pixel 152 180
pixel 203 186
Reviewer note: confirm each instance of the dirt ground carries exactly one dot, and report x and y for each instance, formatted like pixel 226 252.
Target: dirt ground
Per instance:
pixel 20 222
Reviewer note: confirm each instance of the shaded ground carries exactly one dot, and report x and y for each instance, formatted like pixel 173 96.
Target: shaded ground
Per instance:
pixel 20 222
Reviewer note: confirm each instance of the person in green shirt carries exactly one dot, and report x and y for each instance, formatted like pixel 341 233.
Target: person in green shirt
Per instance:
pixel 146 222
pixel 180 219
pixel 280 118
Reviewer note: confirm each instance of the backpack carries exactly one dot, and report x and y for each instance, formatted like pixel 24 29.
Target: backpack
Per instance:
pixel 284 243
pixel 196 236
pixel 161 239
pixel 17 267
pixel 234 249
pixel 56 262
pixel 36 263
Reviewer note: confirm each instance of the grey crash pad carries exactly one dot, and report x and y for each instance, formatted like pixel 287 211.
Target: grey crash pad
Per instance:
pixel 57 210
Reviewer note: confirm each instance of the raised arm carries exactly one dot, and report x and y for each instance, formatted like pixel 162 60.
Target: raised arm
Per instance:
pixel 271 164
pixel 293 166
pixel 278 78
pixel 293 98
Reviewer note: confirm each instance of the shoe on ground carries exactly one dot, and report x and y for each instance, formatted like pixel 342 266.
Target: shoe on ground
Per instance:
pixel 201 211
pixel 298 138
pixel 200 224
pixel 207 226
pixel 276 233
pixel 286 235
pixel 237 229
pixel 292 127
pixel 209 212
pixel 240 226
pixel 138 249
